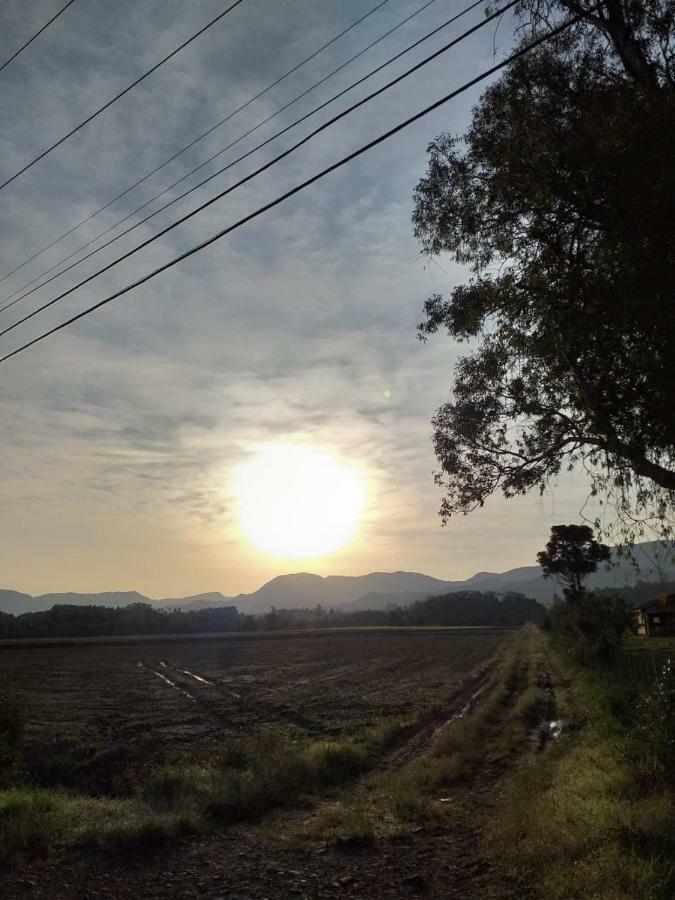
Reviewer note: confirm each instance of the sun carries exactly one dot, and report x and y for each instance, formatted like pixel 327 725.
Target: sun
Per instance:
pixel 297 501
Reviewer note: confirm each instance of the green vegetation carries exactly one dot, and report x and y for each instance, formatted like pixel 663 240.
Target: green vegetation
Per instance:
pixel 592 628
pixel 589 627
pixel 245 779
pixel 36 822
pixel 594 815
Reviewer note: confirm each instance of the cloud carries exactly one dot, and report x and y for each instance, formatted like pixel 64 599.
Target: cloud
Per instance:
pixel 120 435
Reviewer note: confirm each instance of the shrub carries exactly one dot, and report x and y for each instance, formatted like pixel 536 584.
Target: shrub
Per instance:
pixel 592 627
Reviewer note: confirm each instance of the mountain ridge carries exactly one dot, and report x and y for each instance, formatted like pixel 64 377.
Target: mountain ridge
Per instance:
pixel 375 590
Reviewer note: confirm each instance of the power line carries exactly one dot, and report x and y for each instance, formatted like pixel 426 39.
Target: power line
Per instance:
pixel 234 162
pixel 191 172
pixel 295 190
pixel 299 187
pixel 265 166
pixel 36 35
pixel 197 139
pixel 126 90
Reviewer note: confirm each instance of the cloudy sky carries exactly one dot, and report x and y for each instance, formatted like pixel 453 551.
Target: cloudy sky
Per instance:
pixel 122 434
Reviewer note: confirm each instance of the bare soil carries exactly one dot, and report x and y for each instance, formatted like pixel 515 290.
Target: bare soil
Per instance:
pixel 194 693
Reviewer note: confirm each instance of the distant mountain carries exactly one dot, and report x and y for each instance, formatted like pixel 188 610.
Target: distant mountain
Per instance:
pixel 197 601
pixel 652 563
pixel 305 590
pixel 15 603
pixel 106 598
pixel 379 590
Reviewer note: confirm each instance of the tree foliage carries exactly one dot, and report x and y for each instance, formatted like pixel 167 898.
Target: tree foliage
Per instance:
pixel 571 555
pixel 560 199
pixel 590 626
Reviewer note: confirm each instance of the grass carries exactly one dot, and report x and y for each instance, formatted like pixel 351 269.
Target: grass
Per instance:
pixel 635 644
pixel 243 779
pixel 246 781
pixel 417 794
pixel 532 706
pixel 571 826
pixel 36 822
pixel 496 727
pixel 593 816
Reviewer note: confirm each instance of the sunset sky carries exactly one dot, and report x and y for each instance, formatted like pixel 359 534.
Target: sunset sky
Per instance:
pixel 123 436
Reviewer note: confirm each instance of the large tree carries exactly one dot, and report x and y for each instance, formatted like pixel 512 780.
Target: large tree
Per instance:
pixel 560 200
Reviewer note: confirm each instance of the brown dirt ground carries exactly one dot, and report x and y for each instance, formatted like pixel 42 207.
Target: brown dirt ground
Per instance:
pixel 245 863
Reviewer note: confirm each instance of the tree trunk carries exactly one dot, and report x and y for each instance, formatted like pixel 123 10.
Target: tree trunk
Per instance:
pixel 609 17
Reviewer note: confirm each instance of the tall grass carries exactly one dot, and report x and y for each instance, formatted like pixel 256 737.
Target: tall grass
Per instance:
pixel 593 816
pixel 35 822
pixel 242 780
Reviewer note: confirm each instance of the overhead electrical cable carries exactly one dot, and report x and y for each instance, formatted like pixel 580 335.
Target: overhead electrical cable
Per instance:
pixel 297 189
pixel 214 156
pixel 325 125
pixel 114 99
pixel 36 35
pixel 225 168
pixel 204 134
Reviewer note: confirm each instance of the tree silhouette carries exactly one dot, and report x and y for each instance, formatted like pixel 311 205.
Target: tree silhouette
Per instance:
pixel 560 199
pixel 571 555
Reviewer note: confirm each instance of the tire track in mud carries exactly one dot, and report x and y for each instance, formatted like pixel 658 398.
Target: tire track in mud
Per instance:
pixel 199 678
pixel 417 738
pixel 268 711
pixel 141 665
pixel 205 707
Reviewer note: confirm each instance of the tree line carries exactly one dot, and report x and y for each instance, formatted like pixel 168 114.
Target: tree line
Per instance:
pixel 458 608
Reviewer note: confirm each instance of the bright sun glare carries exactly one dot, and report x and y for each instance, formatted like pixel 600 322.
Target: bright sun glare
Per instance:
pixel 296 501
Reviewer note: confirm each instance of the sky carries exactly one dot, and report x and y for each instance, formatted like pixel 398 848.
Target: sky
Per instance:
pixel 122 435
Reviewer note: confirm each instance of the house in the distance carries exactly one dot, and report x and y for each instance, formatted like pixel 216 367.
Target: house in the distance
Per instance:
pixel 656 617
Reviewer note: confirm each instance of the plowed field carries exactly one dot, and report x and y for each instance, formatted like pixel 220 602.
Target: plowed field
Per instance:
pixel 195 692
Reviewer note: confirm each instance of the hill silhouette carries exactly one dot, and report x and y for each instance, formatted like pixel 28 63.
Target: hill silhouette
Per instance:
pixel 653 563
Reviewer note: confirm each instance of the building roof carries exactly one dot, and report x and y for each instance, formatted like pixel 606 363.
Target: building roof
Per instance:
pixel 659 604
